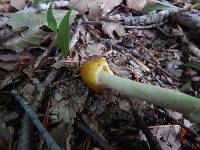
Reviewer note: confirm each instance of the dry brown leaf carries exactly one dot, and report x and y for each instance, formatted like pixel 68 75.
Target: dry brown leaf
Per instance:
pixel 58 133
pixel 108 5
pixel 7 66
pixel 18 4
pixel 137 5
pixel 15 57
pixel 166 136
pixel 28 92
pixel 110 27
pixel 9 78
pixel 95 12
pixel 96 8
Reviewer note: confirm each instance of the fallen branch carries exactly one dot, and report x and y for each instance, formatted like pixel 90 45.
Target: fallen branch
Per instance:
pixel 164 32
pixel 151 18
pixel 188 46
pixel 184 18
pixel 154 144
pixel 24 142
pixel 26 125
pixel 92 134
pixel 146 26
pixel 188 20
pixel 35 120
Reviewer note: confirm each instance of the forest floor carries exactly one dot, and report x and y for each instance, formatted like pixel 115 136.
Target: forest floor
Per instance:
pixel 164 53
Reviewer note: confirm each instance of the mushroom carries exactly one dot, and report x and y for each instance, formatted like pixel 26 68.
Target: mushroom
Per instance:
pixel 97 75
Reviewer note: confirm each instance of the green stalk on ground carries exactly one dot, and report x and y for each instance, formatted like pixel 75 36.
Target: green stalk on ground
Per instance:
pixel 97 75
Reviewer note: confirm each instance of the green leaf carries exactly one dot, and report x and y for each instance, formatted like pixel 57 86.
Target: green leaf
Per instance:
pixel 155 6
pixel 195 66
pixel 33 21
pixel 52 24
pixel 63 34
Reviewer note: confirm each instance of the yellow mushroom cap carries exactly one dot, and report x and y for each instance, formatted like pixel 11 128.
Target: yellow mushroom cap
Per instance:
pixel 90 72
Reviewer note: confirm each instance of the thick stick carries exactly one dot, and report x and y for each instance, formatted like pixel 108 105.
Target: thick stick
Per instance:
pixel 34 118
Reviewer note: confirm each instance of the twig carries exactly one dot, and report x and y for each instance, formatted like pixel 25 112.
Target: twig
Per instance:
pixel 85 128
pixel 184 18
pixel 188 20
pixel 154 145
pixel 146 27
pixel 192 47
pixel 177 122
pixel 75 36
pixel 41 58
pixel 51 48
pixel 91 125
pixel 24 142
pixel 152 18
pixel 26 127
pixel 160 82
pixel 140 27
pixel 164 32
pixel 42 86
pixel 34 118
pixel 89 22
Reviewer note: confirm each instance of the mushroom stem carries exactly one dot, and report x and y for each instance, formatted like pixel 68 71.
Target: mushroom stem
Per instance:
pixel 186 104
pixel 97 75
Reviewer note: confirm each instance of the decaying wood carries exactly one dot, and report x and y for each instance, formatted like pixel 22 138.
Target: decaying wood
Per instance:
pixel 147 19
pixel 146 26
pixel 184 18
pixel 188 20
pixel 189 46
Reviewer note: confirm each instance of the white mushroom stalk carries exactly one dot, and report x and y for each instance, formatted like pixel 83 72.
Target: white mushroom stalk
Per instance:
pixel 97 75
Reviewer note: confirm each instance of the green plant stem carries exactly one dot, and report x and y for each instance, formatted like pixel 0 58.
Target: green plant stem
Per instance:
pixel 183 103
